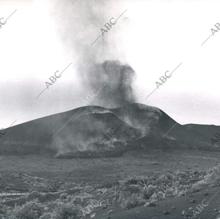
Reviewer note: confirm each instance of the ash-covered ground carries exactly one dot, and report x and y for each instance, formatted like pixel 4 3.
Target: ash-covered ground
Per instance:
pixel 150 184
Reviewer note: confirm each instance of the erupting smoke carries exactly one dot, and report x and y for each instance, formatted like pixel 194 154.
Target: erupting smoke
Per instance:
pixel 79 23
pixel 112 83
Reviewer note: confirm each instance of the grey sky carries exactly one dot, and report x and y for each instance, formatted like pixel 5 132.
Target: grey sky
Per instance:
pixel 152 37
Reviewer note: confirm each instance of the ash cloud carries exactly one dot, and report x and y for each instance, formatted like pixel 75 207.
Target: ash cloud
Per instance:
pixel 104 79
pixel 112 83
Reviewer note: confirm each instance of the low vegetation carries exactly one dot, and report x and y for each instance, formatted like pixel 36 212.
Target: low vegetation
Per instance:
pixel 51 199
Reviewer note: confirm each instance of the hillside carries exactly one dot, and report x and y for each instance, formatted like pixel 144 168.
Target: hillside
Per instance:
pixel 98 131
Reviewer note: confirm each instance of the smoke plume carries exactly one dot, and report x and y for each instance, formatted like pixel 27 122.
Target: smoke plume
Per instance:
pixel 79 23
pixel 111 82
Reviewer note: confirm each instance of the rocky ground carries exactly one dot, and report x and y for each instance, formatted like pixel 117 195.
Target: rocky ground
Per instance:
pixel 154 184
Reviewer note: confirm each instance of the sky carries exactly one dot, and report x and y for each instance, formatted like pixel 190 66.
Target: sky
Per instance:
pixel 153 37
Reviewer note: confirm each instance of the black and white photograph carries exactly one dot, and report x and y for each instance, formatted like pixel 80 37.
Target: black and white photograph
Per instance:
pixel 109 109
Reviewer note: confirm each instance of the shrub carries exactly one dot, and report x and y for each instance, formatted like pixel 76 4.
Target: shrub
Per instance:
pixel 30 210
pixel 132 201
pixel 47 216
pixel 67 211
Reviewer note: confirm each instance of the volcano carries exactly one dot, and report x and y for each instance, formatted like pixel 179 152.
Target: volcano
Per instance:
pixel 94 131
